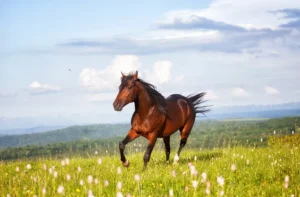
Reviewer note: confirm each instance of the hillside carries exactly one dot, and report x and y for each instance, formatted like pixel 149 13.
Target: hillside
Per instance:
pixel 64 135
pixel 104 139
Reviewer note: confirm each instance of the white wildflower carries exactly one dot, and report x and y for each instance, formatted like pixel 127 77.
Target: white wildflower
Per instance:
pixel 106 183
pixel 17 169
pixel 119 194
pixel 60 189
pixel 233 167
pixel 96 181
pixel 119 185
pixel 137 177
pixel 67 161
pixel 119 170
pixel 68 177
pixel 81 182
pixel 195 183
pixel 28 166
pixel 99 161
pixel 79 169
pixel 204 177
pixel 222 193
pixel 55 174
pixel 44 190
pixel 220 180
pixel 171 193
pixel 90 179
pixel 90 193
pixel 45 167
pixel 195 158
pixel 63 163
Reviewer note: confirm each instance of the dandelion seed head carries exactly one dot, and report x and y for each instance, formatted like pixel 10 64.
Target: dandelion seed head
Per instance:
pixel 28 166
pixel 171 193
pixel 79 169
pixel 63 163
pixel 106 183
pixel 55 174
pixel 44 191
pixel 45 167
pixel 195 158
pixel 99 161
pixel 17 169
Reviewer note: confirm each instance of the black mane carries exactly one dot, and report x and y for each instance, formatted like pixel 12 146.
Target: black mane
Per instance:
pixel 158 99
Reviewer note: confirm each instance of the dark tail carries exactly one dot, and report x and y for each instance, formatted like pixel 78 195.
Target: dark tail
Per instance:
pixel 196 100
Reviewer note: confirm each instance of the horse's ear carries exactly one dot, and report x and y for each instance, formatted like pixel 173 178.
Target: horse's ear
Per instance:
pixel 135 76
pixel 122 74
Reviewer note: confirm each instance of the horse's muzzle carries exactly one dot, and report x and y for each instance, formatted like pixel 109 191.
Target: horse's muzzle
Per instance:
pixel 117 106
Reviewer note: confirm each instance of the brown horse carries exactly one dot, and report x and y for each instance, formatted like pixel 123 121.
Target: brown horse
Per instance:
pixel 155 116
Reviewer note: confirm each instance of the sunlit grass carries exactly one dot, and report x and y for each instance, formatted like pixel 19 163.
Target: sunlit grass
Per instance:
pixel 228 172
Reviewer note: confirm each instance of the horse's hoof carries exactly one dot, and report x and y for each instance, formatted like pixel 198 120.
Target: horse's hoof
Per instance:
pixel 126 164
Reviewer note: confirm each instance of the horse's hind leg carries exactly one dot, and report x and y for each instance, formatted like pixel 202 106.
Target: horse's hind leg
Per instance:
pixel 185 132
pixel 167 147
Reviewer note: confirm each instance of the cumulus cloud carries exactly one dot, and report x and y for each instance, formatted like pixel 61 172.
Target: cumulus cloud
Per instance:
pixel 39 88
pixel 271 90
pixel 239 92
pixel 108 79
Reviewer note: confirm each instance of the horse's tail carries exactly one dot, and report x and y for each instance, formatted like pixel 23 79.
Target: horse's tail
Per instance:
pixel 196 100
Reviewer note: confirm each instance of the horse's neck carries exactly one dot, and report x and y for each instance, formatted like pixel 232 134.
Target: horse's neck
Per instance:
pixel 143 104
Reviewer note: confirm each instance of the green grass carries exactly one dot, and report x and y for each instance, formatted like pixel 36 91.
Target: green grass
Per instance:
pixel 259 172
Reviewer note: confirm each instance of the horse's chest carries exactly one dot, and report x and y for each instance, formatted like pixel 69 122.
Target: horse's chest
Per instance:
pixel 145 126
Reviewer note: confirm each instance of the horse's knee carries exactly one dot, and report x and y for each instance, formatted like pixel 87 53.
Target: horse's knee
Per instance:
pixel 121 146
pixel 146 157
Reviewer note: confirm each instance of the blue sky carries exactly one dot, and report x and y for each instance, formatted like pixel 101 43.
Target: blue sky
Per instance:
pixel 239 52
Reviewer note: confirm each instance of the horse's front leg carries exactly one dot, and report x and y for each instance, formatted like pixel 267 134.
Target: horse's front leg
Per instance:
pixel 152 137
pixel 130 136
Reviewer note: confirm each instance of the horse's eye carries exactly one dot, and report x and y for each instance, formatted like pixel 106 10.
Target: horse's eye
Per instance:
pixel 129 87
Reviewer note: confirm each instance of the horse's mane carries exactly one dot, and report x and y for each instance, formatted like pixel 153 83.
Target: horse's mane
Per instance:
pixel 158 99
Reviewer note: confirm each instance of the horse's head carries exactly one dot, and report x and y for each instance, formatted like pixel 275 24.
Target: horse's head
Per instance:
pixel 127 91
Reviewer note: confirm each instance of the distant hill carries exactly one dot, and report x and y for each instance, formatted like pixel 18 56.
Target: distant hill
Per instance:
pixel 67 134
pixel 32 130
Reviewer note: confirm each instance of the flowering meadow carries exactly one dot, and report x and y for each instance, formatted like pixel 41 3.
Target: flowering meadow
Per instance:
pixel 219 172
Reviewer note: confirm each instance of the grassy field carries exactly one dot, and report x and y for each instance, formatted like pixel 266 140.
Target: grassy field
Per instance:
pixel 220 172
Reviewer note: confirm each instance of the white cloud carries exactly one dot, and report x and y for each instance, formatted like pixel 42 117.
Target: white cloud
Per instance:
pixel 108 79
pixel 210 95
pixel 240 13
pixel 161 73
pixel 271 90
pixel 239 92
pixel 39 88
